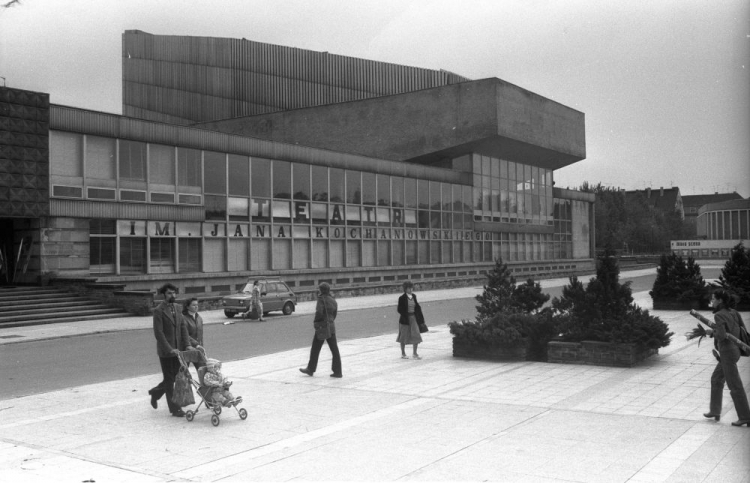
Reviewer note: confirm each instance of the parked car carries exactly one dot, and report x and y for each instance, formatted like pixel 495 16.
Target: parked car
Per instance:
pixel 274 294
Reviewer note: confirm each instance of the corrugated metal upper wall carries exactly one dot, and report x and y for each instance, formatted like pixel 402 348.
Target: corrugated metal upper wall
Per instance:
pixel 182 80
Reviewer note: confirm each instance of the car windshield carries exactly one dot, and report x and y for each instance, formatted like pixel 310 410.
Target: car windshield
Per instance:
pixel 248 288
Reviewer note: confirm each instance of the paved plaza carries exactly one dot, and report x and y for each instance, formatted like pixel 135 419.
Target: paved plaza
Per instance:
pixel 439 418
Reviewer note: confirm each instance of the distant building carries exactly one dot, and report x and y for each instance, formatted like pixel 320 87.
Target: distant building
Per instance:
pixel 237 159
pixel 666 200
pixel 693 203
pixel 720 227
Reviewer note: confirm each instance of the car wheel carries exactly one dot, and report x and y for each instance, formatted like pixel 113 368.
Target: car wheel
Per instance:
pixel 288 308
pixel 229 314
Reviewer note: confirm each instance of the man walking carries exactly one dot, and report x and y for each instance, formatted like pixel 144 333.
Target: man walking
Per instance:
pixel 171 338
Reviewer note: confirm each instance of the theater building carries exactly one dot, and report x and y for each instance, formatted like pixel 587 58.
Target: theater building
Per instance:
pixel 237 159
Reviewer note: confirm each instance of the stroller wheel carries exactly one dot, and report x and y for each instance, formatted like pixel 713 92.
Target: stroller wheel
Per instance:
pixel 189 415
pixel 243 413
pixel 215 420
pixel 217 409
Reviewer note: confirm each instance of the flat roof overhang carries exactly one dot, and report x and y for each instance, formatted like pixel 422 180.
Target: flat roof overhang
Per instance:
pixel 488 116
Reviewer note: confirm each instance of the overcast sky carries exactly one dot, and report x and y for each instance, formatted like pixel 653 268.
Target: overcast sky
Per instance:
pixel 664 84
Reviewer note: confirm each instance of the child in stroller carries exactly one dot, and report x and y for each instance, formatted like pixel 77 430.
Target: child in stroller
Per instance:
pixel 215 386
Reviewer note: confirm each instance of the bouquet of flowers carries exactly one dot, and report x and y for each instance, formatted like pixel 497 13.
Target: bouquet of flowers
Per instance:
pixel 698 332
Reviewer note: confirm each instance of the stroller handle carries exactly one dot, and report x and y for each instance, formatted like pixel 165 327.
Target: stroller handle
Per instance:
pixel 188 356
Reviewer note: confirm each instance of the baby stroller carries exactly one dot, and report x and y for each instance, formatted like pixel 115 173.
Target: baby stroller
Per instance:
pixel 205 393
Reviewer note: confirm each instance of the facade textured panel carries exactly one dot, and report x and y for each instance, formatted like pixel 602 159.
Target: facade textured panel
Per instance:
pixel 95 209
pixel 168 77
pixel 24 153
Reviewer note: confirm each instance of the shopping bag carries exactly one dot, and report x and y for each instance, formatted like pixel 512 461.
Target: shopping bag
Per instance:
pixel 182 395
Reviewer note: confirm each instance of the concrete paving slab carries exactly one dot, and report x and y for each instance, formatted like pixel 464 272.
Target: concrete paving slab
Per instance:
pixel 439 418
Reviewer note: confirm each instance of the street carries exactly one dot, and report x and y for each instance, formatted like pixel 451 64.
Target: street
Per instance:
pixel 48 365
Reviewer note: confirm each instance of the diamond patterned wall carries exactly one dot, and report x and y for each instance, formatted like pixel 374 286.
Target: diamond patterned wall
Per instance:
pixel 24 153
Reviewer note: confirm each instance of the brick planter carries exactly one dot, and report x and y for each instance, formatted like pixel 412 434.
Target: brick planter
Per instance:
pixel 597 353
pixel 672 304
pixel 516 352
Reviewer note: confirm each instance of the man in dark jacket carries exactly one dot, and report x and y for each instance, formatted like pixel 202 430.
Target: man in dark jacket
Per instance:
pixel 171 338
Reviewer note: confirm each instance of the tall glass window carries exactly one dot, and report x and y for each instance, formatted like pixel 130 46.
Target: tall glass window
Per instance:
pixel 132 160
pixel 282 179
pixel 100 157
pixel 132 255
pixel 216 173
pixel 423 193
pixel 410 193
pixel 261 178
pixel 319 183
pixel 161 164
pixel 162 255
pixel 301 181
pixel 189 167
pixel 353 187
pixel 384 190
pixel 239 175
pixel 66 153
pixel 102 241
pixel 336 187
pixel 397 191
pixel 369 193
pixel 190 255
pixel 435 196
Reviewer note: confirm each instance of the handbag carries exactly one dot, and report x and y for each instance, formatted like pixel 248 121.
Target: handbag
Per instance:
pixel 744 337
pixel 323 331
pixel 420 320
pixel 182 394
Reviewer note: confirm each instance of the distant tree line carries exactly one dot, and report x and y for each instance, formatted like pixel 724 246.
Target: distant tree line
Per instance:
pixel 632 225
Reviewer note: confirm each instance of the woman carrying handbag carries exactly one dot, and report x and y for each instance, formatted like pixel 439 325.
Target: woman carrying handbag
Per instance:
pixel 411 321
pixel 325 330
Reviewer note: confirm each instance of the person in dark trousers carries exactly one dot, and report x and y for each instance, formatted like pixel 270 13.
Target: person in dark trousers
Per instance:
pixel 410 313
pixel 726 321
pixel 172 337
pixel 325 330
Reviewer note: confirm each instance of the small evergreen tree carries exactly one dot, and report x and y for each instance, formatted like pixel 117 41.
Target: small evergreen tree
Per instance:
pixel 604 311
pixel 679 280
pixel 497 291
pixel 735 276
pixel 502 295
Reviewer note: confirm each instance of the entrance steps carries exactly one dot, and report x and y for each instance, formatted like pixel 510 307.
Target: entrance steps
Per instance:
pixel 24 306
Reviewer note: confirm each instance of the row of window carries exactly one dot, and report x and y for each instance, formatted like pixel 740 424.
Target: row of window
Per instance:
pixel 508 191
pixel 139 255
pixel 123 247
pixel 503 190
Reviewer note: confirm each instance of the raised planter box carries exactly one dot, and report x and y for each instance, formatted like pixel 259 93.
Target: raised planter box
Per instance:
pixel 501 353
pixel 672 304
pixel 598 353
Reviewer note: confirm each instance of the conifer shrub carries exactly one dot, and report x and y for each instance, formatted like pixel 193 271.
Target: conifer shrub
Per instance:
pixel 679 280
pixel 501 294
pixel 604 311
pixel 735 276
pixel 508 314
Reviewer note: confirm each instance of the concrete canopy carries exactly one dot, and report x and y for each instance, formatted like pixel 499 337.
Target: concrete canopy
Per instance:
pixel 488 116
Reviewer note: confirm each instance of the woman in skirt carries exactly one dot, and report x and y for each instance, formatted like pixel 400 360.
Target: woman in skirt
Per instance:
pixel 410 312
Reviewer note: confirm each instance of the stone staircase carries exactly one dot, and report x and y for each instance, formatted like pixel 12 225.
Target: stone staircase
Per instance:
pixel 24 306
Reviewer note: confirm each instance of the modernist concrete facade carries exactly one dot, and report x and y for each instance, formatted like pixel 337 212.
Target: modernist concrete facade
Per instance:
pixel 407 179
